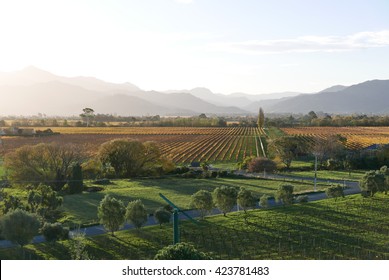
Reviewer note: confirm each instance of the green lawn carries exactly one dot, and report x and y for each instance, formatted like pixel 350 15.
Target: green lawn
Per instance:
pixel 349 228
pixel 329 175
pixel 82 208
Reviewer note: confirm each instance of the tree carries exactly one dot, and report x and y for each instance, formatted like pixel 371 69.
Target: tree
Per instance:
pixel 261 164
pixel 130 158
pixel 385 171
pixel 49 164
pixel 136 213
pixel 43 201
pixel 246 199
pixel 75 183
pixel 203 202
pixel 162 216
pixel 181 251
pixel 261 118
pixel 264 201
pixel 20 226
pixel 54 232
pixel 87 115
pixel 225 198
pixel 372 182
pixel 111 213
pixel 335 192
pixel 287 148
pixel 285 194
pixel 330 148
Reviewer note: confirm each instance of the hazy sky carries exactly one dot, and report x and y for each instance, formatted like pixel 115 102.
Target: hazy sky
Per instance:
pixel 252 46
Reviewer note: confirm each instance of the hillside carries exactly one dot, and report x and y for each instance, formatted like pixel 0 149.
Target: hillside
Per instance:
pixel 371 97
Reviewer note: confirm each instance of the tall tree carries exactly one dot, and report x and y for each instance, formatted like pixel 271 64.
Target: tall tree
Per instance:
pixel 136 213
pixel 87 115
pixel 225 198
pixel 111 213
pixel 261 118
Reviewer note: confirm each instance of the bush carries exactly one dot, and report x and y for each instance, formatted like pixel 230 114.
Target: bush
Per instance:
pixel 261 164
pixel 181 251
pixel 162 216
pixel 54 231
pixel 302 198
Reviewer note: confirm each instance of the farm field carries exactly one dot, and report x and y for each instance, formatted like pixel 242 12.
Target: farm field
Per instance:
pixel 357 137
pixel 181 144
pixel 349 228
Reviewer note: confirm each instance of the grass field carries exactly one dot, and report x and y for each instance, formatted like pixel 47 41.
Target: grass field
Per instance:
pixel 82 208
pixel 349 228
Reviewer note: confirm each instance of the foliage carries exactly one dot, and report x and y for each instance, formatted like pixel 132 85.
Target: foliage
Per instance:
pixel 225 198
pixel 302 198
pixel 285 194
pixel 129 158
pixel 181 251
pixel 335 192
pixel 49 164
pixel 77 248
pixel 87 115
pixel 373 182
pixel 75 183
pixel 11 202
pixel 203 202
pixel 331 147
pixel 111 213
pixel 288 148
pixel 261 164
pixel 244 164
pixel 261 118
pixel 162 216
pixel 246 199
pixel 54 232
pixel 264 201
pixel 20 226
pixel 44 201
pixel 136 213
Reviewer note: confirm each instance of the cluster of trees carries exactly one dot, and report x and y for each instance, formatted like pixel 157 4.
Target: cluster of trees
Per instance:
pixel 323 119
pixel 375 181
pixel 63 167
pixel 225 198
pixel 112 213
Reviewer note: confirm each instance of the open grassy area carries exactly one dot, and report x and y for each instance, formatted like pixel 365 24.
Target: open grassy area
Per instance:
pixel 329 175
pixel 82 208
pixel 349 228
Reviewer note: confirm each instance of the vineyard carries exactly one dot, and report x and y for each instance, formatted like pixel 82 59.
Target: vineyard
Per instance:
pixel 357 137
pixel 181 144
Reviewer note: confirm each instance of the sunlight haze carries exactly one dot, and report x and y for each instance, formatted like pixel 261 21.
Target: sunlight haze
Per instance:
pixel 228 46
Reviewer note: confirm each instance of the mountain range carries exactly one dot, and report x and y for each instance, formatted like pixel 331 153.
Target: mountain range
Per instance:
pixel 31 91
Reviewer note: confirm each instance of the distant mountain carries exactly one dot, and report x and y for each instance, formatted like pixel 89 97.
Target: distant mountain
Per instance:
pixel 32 75
pixel 334 88
pixel 371 97
pixel 31 91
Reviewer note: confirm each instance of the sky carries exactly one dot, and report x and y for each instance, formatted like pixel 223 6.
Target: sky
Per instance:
pixel 251 46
